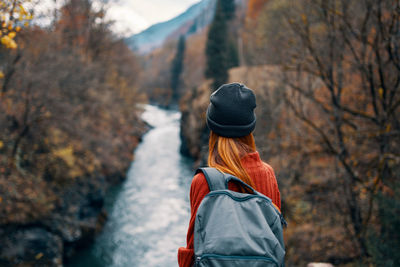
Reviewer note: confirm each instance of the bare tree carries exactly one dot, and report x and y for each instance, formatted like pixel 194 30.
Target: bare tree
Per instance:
pixel 345 67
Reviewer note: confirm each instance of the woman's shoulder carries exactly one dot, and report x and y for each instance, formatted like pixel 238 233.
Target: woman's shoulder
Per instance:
pixel 199 180
pixel 267 166
pixel 270 173
pixel 199 188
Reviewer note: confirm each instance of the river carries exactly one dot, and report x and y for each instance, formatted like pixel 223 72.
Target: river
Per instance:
pixel 149 212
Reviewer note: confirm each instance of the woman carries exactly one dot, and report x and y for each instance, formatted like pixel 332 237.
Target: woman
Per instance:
pixel 231 120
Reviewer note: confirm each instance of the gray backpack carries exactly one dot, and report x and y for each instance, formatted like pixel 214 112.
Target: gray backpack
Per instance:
pixel 236 229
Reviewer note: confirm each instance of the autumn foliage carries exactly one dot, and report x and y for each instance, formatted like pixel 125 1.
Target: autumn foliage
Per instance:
pixel 336 137
pixel 327 79
pixel 13 16
pixel 68 118
pixel 255 7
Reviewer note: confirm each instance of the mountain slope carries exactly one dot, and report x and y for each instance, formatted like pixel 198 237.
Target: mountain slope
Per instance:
pixel 191 21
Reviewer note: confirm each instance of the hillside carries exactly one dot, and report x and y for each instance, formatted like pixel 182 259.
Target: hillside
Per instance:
pixel 328 125
pixel 192 21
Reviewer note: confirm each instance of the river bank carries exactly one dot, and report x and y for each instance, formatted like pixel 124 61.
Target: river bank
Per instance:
pixel 46 218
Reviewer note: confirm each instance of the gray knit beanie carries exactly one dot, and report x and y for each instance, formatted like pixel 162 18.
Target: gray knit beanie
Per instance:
pixel 231 110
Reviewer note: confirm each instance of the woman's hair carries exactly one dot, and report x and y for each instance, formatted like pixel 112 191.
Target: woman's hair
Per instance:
pixel 225 154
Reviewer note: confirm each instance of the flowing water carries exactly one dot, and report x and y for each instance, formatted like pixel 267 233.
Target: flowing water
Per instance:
pixel 149 213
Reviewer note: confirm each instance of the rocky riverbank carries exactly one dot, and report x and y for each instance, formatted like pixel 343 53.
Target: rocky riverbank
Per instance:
pixel 44 220
pixel 194 133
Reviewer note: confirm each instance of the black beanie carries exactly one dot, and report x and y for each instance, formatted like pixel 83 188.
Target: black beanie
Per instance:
pixel 231 111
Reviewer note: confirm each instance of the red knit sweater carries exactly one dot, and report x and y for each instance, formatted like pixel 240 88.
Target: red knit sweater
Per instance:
pixel 265 182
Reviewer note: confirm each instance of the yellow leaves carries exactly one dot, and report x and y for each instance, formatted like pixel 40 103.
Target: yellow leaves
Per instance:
pixel 304 19
pixel 22 11
pixel 1 75
pixel 66 154
pixel 1 144
pixel 73 163
pixel 13 14
pixel 388 127
pixel 39 255
pixel 11 34
pixel 380 91
pixel 8 42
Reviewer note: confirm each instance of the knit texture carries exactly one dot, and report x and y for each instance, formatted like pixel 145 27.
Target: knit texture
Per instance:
pixel 265 182
pixel 231 110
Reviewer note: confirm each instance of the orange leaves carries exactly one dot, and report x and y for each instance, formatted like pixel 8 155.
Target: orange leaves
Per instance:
pixel 304 19
pixel 255 7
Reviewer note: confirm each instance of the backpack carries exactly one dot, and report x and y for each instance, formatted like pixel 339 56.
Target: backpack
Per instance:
pixel 236 229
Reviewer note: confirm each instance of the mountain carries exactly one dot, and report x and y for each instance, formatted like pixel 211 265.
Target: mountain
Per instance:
pixel 194 19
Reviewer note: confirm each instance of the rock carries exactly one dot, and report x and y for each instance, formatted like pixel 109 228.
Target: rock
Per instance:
pixel 194 132
pixel 58 217
pixel 32 246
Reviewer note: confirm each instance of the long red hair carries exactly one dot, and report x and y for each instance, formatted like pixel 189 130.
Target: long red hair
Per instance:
pixel 225 155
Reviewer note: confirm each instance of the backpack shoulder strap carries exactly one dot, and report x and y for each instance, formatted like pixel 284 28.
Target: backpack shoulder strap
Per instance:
pixel 215 179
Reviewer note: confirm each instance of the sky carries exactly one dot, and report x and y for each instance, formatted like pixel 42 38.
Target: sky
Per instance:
pixel 133 16
pixel 129 16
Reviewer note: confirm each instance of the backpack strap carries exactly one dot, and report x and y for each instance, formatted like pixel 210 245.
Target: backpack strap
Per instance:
pixel 215 179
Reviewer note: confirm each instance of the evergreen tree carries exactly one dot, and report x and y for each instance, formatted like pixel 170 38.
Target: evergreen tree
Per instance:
pixel 177 67
pixel 221 53
pixel 384 241
pixel 228 8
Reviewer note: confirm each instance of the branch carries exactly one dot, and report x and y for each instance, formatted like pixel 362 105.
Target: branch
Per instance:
pixel 313 126
pixel 9 74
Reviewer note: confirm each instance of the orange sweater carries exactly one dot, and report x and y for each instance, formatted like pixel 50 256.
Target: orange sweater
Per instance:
pixel 264 179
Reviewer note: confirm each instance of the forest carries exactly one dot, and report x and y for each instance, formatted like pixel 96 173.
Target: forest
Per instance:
pixel 326 74
pixel 68 122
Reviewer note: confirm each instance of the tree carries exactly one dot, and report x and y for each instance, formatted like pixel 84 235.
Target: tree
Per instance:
pixel 13 15
pixel 344 81
pixel 67 115
pixel 176 68
pixel 221 52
